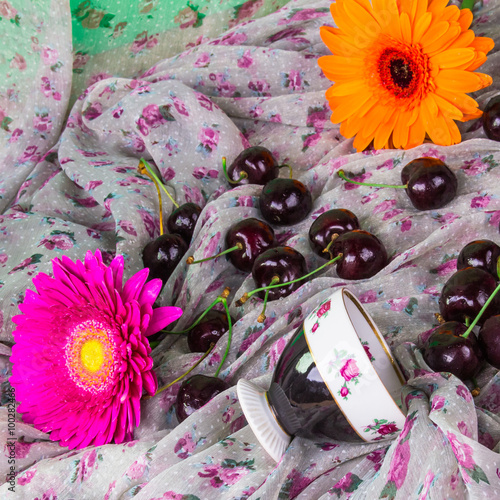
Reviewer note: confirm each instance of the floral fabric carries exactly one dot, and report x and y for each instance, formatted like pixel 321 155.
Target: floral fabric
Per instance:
pixel 70 184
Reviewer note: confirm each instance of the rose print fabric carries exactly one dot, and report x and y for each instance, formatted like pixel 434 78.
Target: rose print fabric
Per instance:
pixel 70 183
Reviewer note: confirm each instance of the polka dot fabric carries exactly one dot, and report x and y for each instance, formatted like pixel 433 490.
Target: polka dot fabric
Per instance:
pixel 79 189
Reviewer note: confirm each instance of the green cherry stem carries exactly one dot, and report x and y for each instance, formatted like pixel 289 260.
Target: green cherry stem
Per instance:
pixel 327 248
pixel 467 4
pixel 243 174
pixel 155 177
pixel 229 336
pixel 480 313
pixel 184 374
pixel 262 316
pixel 342 175
pixel 285 165
pixel 221 298
pixel 190 260
pixel 247 295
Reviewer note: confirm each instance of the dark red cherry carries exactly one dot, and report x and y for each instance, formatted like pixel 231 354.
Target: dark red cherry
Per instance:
pixel 335 221
pixel 257 162
pixel 431 184
pixel 491 119
pixel 213 326
pixel 285 263
pixel 195 392
pixel 255 236
pixel 363 255
pixel 488 339
pixel 465 293
pixel 182 220
pixel 285 201
pixel 480 253
pixel 447 351
pixel 162 255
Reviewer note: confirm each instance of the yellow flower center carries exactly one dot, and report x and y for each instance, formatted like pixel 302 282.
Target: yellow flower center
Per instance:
pixel 92 355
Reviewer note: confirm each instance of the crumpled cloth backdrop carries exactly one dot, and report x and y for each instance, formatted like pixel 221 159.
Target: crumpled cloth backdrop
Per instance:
pixel 69 185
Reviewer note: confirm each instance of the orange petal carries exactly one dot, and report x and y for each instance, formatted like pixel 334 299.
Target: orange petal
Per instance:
pixel 447 108
pixel 347 88
pixel 362 19
pixel 454 131
pixel 462 101
pixel 445 41
pixel 337 42
pixel 361 142
pixel 465 39
pixel 451 14
pixel 348 107
pixel 384 131
pixel 465 19
pixel 437 129
pixel 430 106
pixel 435 32
pixel 453 57
pixel 421 26
pixel 417 133
pixel 479 61
pixel 405 28
pixel 401 130
pixel 483 44
pixel 456 80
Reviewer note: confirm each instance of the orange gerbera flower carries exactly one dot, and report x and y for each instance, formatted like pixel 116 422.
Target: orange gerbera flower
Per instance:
pixel 402 69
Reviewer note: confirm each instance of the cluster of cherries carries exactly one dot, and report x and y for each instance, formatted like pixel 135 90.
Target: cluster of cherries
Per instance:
pixel 251 246
pixel 468 298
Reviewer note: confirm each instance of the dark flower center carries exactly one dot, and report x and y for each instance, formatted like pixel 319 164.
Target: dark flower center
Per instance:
pixel 402 71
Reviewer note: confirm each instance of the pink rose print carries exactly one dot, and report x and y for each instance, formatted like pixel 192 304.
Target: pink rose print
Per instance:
pixel 245 61
pixel 447 267
pixel 180 106
pixel 204 101
pixel 294 80
pixel 405 224
pixel 464 393
pixel 93 111
pixel 399 464
pixel 228 414
pixel 260 87
pixel 97 77
pixel 350 370
pixel 429 478
pixel 60 241
pixel 368 353
pixel 19 62
pixel 188 17
pixel 203 60
pixel 344 391
pixel 143 41
pixel 26 477
pixel 15 135
pixel 324 309
pixel 376 457
pixel 475 167
pixel 398 304
pixel 368 297
pixel 384 206
pixel 390 214
pixel 80 60
pixel 463 452
pixel 315 327
pixel 386 429
pixel 136 470
pixel 303 15
pixel 438 402
pixel 152 115
pixel 209 138
pixel 3 258
pixel 49 56
pixel 50 494
pixel 359 178
pixel 6 10
pixel 480 202
pixel 464 429
pixel 43 123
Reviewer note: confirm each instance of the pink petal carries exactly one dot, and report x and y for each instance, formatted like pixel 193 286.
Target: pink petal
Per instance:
pixel 162 316
pixel 150 291
pixel 149 382
pixel 134 285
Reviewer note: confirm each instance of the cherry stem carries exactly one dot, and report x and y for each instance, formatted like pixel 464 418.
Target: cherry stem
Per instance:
pixel 229 336
pixel 341 174
pixel 467 321
pixel 190 260
pixel 219 299
pixel 247 295
pixel 184 374
pixel 467 4
pixel 160 183
pixel 143 171
pixel 243 174
pixel 262 316
pixel 480 313
pixel 327 248
pixel 289 168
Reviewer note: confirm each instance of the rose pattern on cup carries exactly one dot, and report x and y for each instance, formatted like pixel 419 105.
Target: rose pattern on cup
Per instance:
pixel 383 428
pixel 321 311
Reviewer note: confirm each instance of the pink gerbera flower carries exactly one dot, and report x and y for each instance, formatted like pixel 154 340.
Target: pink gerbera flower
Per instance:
pixel 81 359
